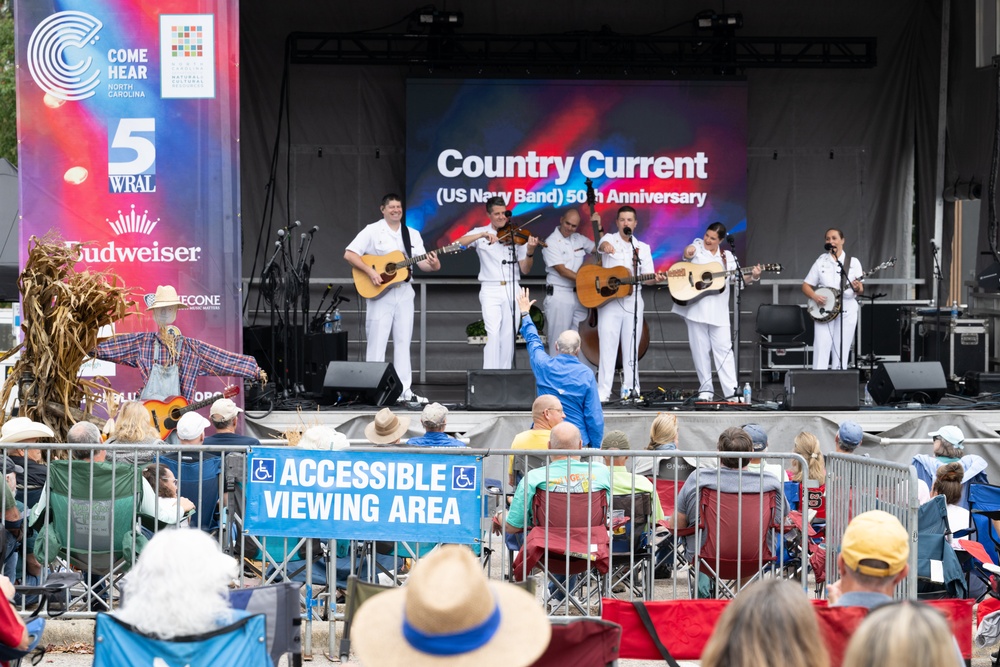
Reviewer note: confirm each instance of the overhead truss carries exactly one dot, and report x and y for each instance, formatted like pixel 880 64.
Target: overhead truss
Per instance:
pixel 582 53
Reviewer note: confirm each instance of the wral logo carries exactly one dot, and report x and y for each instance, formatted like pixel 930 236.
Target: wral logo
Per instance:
pixel 54 57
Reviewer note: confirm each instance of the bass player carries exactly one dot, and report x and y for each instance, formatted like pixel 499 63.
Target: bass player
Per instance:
pixel 833 339
pixel 707 318
pixel 392 310
pixel 617 318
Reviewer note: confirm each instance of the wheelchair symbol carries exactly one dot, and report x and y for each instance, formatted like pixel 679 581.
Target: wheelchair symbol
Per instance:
pixel 463 478
pixel 263 471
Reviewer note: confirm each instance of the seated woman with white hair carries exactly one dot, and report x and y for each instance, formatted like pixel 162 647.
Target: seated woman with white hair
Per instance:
pixel 179 586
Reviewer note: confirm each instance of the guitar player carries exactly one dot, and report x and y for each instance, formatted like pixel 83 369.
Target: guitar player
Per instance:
pixel 617 318
pixel 707 318
pixel 832 340
pixel 391 311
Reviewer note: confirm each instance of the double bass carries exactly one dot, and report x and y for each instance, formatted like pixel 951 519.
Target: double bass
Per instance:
pixel 590 342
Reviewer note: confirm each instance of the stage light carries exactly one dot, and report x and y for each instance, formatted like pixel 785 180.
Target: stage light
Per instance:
pixel 434 17
pixel 712 21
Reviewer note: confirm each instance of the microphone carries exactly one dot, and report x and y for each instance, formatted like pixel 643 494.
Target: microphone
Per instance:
pixel 627 231
pixel 277 251
pixel 828 247
pixel 314 230
pixel 281 235
pixel 297 223
pixel 933 245
pixel 508 214
pixel 730 239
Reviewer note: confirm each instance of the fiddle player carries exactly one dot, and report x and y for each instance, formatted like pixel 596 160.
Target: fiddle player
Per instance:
pixel 565 253
pixel 834 338
pixel 499 277
pixel 707 318
pixel 616 318
pixel 392 310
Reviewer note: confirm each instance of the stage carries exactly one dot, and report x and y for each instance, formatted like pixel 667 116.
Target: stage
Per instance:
pixel 891 433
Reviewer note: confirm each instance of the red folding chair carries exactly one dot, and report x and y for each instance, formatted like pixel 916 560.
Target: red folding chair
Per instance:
pixel 582 642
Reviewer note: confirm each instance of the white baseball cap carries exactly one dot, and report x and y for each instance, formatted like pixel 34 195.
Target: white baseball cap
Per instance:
pixel 191 425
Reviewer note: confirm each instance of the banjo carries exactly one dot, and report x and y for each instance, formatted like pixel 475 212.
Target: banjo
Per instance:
pixel 831 309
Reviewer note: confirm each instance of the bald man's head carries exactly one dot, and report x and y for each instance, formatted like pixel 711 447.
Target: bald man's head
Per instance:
pixel 546 411
pixel 568 342
pixel 565 436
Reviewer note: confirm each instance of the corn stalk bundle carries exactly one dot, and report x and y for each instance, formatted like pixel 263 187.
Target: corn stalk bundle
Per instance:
pixel 62 310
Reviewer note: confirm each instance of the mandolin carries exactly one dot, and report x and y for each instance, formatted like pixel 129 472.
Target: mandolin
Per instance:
pixel 393 267
pixel 166 414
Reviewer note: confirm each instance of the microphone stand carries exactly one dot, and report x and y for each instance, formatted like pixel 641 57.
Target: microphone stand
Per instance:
pixel 739 286
pixel 840 318
pixel 513 298
pixel 636 330
pixel 939 278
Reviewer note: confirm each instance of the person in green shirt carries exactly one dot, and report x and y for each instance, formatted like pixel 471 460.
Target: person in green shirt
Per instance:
pixel 624 482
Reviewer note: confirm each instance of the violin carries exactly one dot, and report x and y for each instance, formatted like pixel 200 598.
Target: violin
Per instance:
pixel 508 235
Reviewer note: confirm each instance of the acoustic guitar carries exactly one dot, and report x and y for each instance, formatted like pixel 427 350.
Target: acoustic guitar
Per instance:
pixel 688 282
pixel 166 414
pixel 596 285
pixel 393 267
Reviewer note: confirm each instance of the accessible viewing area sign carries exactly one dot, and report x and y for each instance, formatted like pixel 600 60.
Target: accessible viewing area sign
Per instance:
pixel 364 495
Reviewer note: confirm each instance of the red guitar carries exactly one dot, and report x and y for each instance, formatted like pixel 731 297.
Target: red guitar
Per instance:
pixel 165 414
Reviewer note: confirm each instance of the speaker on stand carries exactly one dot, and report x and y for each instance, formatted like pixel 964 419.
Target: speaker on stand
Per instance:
pixel 918 381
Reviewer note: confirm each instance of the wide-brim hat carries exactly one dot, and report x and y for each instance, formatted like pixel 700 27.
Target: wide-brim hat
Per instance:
pixel 165 296
pixel 20 429
pixel 448 594
pixel 387 427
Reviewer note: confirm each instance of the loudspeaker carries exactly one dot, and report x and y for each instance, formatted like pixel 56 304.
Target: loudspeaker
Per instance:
pixel 821 390
pixel 320 350
pixel 500 390
pixel 374 383
pixel 921 381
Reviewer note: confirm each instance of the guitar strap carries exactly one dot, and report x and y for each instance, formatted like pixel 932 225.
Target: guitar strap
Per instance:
pixel 407 246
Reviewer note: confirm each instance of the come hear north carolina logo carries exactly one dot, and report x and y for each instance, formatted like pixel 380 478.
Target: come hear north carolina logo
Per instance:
pixel 56 57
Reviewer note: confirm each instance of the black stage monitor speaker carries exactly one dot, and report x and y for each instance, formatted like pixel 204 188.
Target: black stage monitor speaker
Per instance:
pixel 500 390
pixel 821 390
pixel 374 383
pixel 920 381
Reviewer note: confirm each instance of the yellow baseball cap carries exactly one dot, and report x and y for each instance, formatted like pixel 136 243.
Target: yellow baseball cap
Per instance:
pixel 878 539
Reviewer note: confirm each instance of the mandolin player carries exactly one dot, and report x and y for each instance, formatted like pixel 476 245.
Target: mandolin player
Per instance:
pixel 832 340
pixel 618 318
pixel 707 319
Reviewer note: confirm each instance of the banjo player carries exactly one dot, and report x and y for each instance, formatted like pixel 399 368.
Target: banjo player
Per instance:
pixel 833 285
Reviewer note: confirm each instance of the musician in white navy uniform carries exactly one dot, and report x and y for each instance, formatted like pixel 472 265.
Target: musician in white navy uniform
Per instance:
pixel 392 310
pixel 565 253
pixel 833 339
pixel 616 318
pixel 707 318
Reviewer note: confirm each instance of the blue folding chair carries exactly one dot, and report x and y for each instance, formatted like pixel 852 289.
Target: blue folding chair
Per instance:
pixel 793 494
pixel 244 642
pixel 198 481
pixel 984 504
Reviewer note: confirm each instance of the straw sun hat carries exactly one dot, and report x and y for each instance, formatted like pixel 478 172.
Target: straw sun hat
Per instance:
pixel 387 427
pixel 449 613
pixel 165 296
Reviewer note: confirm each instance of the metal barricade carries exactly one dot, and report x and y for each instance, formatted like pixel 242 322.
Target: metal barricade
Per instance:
pixel 857 484
pixel 661 474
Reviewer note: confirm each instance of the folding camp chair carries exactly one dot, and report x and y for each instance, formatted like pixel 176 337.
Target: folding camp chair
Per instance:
pixel 568 537
pixel 198 480
pixel 667 489
pixel 92 521
pixel 737 531
pixel 939 573
pixel 631 546
pixel 582 642
pixel 358 592
pixel 118 644
pixel 279 603
pixel 984 504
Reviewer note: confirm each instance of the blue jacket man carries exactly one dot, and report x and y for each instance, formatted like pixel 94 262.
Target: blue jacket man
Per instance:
pixel 564 376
